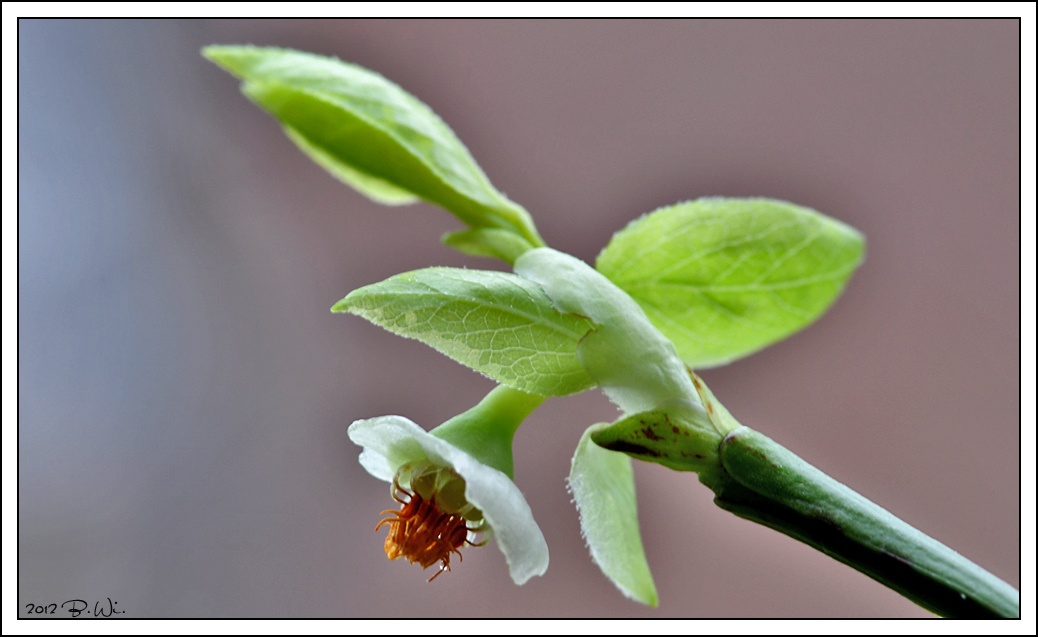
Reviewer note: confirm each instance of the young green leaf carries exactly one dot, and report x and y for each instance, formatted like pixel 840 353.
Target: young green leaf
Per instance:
pixel 372 187
pixel 497 323
pixel 371 134
pixel 488 242
pixel 602 483
pixel 723 278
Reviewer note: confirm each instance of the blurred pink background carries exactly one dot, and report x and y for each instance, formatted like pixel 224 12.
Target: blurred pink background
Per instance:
pixel 184 390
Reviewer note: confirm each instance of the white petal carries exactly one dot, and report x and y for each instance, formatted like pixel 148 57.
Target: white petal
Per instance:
pixel 392 441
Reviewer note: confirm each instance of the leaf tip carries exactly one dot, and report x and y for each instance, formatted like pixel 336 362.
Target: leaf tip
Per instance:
pixel 211 51
pixel 235 58
pixel 343 305
pixel 220 54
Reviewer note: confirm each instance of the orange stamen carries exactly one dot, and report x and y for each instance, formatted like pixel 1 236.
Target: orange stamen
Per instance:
pixel 422 533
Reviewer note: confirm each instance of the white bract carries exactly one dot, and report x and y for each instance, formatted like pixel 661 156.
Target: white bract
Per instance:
pixel 635 365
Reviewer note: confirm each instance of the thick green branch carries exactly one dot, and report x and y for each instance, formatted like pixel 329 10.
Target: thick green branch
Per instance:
pixel 763 481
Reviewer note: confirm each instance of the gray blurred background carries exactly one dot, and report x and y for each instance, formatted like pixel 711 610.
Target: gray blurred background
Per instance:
pixel 184 391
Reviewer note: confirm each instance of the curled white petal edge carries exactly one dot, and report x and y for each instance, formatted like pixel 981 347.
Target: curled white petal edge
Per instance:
pixel 392 441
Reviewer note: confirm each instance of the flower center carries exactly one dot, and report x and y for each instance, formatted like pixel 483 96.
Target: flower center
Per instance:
pixel 433 521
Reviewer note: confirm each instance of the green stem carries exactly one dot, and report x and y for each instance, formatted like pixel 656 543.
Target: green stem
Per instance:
pixel 762 481
pixel 485 432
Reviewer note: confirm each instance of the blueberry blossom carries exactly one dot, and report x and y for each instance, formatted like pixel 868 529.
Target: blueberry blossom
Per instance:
pixel 455 483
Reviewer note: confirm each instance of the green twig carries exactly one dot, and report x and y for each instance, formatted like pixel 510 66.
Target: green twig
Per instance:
pixel 763 481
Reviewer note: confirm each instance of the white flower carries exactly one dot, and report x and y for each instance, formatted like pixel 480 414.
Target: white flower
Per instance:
pixel 395 449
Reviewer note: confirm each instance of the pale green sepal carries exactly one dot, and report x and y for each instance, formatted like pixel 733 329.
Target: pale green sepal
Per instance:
pixel 723 278
pixel 486 430
pixel 374 188
pixel 677 435
pixel 635 365
pixel 497 323
pixel 370 124
pixel 602 483
pixel 488 242
pixel 390 442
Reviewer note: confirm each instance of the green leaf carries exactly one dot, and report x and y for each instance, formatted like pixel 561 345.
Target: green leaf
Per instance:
pixel 370 133
pixel 723 278
pixel 370 186
pixel 602 483
pixel 496 323
pixel 488 242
